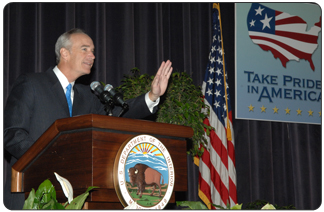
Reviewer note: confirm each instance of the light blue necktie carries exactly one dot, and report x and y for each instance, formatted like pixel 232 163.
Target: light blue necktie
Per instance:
pixel 68 98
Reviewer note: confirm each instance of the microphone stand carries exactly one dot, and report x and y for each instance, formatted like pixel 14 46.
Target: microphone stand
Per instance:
pixel 125 108
pixel 109 103
pixel 108 108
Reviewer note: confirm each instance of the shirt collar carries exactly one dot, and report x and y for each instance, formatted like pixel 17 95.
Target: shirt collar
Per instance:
pixel 62 78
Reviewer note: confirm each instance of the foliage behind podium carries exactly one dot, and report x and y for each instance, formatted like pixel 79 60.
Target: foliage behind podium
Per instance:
pixel 181 104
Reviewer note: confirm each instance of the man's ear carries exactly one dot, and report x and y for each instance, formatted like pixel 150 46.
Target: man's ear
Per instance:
pixel 64 53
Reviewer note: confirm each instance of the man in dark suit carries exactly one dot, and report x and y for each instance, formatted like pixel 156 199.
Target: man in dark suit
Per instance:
pixel 39 99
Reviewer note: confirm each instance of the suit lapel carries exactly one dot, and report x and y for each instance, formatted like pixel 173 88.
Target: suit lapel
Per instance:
pixel 76 101
pixel 58 92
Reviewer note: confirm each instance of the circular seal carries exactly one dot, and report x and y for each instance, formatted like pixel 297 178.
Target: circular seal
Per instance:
pixel 144 173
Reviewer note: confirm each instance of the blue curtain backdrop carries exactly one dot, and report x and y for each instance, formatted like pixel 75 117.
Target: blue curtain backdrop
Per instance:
pixel 277 162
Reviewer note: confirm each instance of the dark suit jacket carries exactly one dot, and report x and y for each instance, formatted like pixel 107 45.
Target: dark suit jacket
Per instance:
pixel 37 100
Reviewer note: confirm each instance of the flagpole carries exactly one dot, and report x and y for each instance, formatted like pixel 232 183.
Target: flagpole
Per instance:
pixel 228 131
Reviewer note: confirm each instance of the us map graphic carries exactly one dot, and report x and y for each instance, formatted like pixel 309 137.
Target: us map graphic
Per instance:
pixel 283 34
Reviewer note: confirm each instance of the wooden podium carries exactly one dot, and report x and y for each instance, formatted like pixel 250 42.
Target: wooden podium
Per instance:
pixel 82 149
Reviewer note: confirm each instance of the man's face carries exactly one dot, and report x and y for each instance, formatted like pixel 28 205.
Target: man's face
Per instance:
pixel 81 54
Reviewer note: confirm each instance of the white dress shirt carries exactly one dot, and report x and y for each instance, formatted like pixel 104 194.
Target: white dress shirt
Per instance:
pixel 64 82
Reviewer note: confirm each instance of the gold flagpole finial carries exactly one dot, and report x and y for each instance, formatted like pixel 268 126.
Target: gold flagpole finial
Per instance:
pixel 215 5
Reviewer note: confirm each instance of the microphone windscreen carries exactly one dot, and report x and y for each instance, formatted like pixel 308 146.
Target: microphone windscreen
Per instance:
pixel 108 87
pixel 94 85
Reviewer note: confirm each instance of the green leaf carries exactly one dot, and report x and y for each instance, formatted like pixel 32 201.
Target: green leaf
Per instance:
pixel 91 187
pixel 46 187
pixel 78 202
pixel 237 207
pixel 49 205
pixel 29 202
pixel 268 206
pixel 46 198
pixel 194 205
pixel 58 206
pixel 219 206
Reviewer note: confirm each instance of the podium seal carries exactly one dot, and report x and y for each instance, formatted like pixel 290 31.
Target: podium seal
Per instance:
pixel 144 173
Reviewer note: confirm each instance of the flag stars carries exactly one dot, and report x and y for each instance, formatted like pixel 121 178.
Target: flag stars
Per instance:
pixel 224 106
pixel 216 104
pixel 213 48
pixel 225 96
pixel 266 22
pixel 219 60
pixel 259 11
pixel 214 38
pixel 220 50
pixel 211 70
pixel 252 23
pixel 209 92
pixel 219 71
pixel 219 39
pixel 218 82
pixel 217 93
pixel 210 81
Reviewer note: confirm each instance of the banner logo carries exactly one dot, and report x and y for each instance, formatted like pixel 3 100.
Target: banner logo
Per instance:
pixel 278 62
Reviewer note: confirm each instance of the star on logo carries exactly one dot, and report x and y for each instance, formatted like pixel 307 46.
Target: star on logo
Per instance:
pixel 259 11
pixel 320 113
pixel 266 22
pixel 287 111
pixel 310 112
pixel 275 109
pixel 263 109
pixel 299 111
pixel 251 108
pixel 252 23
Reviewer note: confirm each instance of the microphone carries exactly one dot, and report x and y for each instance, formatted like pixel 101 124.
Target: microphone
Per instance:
pixel 103 95
pixel 117 97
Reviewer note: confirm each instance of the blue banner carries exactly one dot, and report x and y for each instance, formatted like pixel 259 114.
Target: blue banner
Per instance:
pixel 278 62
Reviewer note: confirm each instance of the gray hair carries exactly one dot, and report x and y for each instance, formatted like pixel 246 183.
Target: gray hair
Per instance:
pixel 64 42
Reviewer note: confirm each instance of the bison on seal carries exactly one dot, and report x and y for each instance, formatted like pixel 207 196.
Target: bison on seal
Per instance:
pixel 142 175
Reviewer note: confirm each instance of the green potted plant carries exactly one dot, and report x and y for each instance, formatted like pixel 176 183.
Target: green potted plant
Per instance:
pixel 44 197
pixel 182 103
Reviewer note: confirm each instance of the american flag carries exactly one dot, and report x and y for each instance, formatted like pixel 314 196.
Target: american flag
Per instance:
pixel 283 34
pixel 217 175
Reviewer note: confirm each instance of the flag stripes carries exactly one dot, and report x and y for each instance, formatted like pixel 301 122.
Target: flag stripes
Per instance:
pixel 217 175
